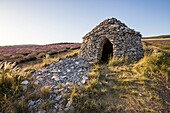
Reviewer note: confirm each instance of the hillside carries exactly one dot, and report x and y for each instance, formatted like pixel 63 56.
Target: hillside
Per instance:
pixel 160 36
pixel 119 86
pixel 25 53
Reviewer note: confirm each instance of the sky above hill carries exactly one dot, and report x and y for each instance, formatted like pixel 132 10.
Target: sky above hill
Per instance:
pixel 53 21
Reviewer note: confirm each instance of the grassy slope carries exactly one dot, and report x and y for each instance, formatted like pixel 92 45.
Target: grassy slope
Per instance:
pixel 26 53
pixel 122 91
pixel 119 86
pixel 125 87
pixel 155 39
pixel 11 91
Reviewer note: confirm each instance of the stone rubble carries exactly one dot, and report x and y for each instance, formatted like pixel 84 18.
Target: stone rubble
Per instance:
pixel 125 41
pixel 59 77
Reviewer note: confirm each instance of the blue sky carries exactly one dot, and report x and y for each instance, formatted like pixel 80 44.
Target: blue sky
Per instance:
pixel 52 21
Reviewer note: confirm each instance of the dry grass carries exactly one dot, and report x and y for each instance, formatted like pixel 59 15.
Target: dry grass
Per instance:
pixel 48 60
pixel 11 77
pixel 155 63
pixel 11 90
pixel 157 43
pixel 120 86
pixel 73 93
pixel 44 92
pixel 156 39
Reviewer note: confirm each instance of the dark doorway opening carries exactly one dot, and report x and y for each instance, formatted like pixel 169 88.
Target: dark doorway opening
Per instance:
pixel 107 52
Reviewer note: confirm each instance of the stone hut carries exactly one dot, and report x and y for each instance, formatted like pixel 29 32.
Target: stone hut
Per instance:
pixel 111 38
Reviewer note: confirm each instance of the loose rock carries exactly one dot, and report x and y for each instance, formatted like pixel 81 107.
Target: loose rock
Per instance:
pixel 59 77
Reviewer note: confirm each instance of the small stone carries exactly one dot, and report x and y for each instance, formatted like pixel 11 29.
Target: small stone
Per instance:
pixel 79 84
pixel 24 87
pixel 66 109
pixel 40 79
pixel 140 94
pixel 55 78
pixel 25 82
pixel 85 77
pixel 39 72
pixel 123 69
pixel 36 82
pixel 56 106
pixel 65 90
pixel 68 104
pixel 42 111
pixel 68 84
pixel 53 111
pixel 55 87
pixel 31 103
pixel 77 63
pixel 79 70
pixel 133 49
pixel 61 103
pixel 68 70
pixel 72 67
pixel 83 81
pixel 91 63
pixel 61 89
pixel 58 98
pixel 54 71
pixel 63 77
pixel 59 70
pixel 56 91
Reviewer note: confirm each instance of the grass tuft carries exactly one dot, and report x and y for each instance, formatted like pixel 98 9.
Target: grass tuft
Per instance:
pixel 11 77
pixel 45 92
pixel 119 61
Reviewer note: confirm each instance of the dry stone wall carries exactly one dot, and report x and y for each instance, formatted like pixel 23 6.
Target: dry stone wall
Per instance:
pixel 126 42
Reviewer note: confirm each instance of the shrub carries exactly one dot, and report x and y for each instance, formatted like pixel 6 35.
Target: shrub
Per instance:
pixel 27 59
pixel 6 55
pixel 2 58
pixel 17 56
pixel 73 48
pixel 41 55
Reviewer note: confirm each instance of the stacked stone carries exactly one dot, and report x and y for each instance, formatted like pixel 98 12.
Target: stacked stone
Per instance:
pixel 126 42
pixel 60 78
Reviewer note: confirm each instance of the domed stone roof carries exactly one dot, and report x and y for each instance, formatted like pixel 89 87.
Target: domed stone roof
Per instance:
pixel 111 38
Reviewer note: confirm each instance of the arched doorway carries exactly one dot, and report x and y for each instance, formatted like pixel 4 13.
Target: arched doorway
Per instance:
pixel 107 51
